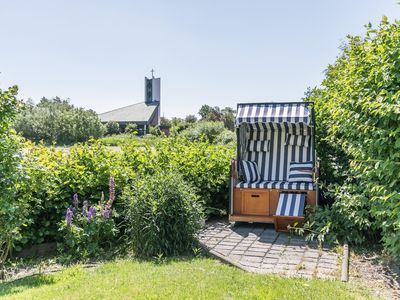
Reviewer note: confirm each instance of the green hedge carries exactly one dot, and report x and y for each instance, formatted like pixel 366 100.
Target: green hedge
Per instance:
pixel 57 121
pixel 57 173
pixel 13 201
pixel 358 117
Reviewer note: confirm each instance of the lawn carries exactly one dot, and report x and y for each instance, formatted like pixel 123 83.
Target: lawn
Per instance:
pixel 197 278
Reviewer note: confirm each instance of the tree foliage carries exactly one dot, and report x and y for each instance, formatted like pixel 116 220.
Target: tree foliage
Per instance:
pixel 112 127
pixel 57 121
pixel 131 128
pixel 13 203
pixel 358 117
pixel 215 114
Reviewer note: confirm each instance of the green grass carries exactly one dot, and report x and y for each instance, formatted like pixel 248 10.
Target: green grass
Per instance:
pixel 197 278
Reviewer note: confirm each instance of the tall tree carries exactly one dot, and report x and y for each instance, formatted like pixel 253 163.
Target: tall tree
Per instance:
pixel 56 120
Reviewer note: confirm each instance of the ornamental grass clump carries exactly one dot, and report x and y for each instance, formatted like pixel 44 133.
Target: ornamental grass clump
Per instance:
pixel 163 215
pixel 89 231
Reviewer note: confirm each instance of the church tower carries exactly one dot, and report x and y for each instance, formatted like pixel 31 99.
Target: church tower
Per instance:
pixel 152 89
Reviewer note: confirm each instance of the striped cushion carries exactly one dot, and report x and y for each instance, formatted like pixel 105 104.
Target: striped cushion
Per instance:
pixel 300 172
pixel 258 146
pixel 283 185
pixel 298 140
pixel 291 205
pixel 250 171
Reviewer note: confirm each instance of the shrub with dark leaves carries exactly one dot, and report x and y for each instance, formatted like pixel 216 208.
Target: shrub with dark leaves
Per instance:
pixel 163 215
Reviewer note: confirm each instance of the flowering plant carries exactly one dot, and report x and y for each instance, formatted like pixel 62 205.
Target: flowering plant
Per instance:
pixel 89 230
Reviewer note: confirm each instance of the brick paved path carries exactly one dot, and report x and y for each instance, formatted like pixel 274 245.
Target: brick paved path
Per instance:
pixel 258 248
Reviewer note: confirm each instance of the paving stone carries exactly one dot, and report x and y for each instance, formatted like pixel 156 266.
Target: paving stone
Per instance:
pixel 277 249
pixel 309 265
pixel 252 258
pixel 226 247
pixel 309 254
pixel 255 253
pixel 268 260
pixel 272 256
pixel 328 261
pixel 258 248
pixel 286 261
pixel 240 248
pixel 223 252
pixel 235 257
pixel 294 250
pixel 326 266
pixel 236 252
pixel 264 247
pixel 292 253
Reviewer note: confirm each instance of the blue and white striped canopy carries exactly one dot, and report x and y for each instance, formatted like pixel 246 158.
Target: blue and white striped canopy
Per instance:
pixel 296 112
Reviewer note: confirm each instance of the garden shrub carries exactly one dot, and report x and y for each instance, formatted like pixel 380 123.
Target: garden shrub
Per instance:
pixel 208 129
pixel 56 174
pixel 89 230
pixel 226 137
pixel 155 131
pixel 56 120
pixel 163 214
pixel 13 203
pixel 358 117
pixel 131 128
pixel 112 128
pixel 204 166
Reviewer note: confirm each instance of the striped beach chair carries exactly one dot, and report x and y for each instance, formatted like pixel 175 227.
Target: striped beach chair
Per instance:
pixel 275 156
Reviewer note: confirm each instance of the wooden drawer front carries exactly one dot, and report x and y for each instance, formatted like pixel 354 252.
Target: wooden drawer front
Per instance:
pixel 255 202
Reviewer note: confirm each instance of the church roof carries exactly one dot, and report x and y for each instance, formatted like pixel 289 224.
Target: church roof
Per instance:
pixel 135 113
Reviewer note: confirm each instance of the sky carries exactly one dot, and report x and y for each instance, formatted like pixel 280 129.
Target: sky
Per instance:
pixel 215 52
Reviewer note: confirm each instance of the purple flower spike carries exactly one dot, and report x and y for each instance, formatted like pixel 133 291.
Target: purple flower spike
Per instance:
pixel 107 213
pixel 111 184
pixel 91 214
pixel 69 216
pixel 75 200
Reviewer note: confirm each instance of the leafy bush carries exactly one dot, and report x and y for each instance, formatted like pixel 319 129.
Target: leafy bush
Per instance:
pixel 210 130
pixel 90 230
pixel 155 131
pixel 13 203
pixel 131 128
pixel 112 128
pixel 204 166
pixel 56 120
pixel 56 174
pixel 226 137
pixel 358 117
pixel 215 114
pixel 190 119
pixel 163 215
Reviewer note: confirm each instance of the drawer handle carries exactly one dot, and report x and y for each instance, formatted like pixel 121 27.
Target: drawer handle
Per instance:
pixel 255 196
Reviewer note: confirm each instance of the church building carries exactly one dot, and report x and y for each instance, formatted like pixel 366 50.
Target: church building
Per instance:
pixel 144 114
